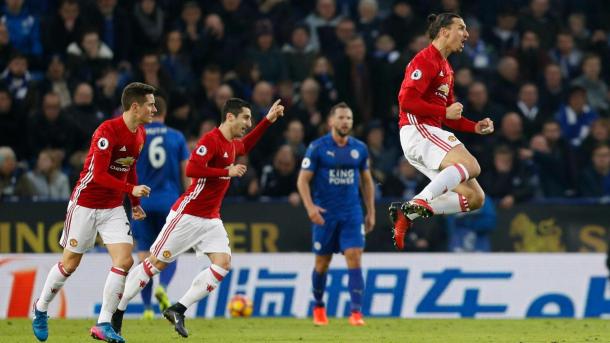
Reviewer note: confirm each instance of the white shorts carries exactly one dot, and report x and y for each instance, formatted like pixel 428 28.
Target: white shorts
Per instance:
pixel 425 147
pixel 82 225
pixel 182 232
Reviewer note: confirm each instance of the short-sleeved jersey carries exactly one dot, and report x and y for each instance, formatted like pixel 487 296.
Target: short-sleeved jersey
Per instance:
pixel 115 149
pixel 204 196
pixel 160 165
pixel 432 76
pixel 336 177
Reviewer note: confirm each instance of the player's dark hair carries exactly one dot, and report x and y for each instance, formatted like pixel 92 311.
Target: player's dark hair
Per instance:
pixel 438 21
pixel 135 92
pixel 233 105
pixel 333 109
pixel 161 105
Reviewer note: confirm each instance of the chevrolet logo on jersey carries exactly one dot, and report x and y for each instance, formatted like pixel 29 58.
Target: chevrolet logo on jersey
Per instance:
pixel 125 161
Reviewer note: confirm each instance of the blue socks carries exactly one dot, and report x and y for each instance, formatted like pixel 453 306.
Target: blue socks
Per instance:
pixel 318 283
pixel 355 284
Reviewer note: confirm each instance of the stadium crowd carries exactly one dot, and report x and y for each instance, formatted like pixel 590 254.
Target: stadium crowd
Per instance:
pixel 538 68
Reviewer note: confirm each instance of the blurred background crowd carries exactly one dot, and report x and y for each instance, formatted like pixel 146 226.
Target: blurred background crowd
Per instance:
pixel 538 68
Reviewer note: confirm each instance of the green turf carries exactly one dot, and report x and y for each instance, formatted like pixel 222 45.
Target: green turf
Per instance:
pixel 299 330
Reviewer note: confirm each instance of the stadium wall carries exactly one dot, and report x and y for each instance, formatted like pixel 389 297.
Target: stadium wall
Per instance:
pixel 280 227
pixel 397 285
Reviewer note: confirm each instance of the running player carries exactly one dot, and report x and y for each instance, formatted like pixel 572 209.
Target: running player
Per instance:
pixel 96 206
pixel 426 102
pixel 338 165
pixel 162 168
pixel 194 221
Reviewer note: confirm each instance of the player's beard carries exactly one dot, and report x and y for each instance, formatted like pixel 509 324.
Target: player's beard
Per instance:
pixel 343 132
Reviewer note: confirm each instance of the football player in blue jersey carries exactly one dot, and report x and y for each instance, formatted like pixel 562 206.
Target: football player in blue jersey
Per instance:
pixel 162 165
pixel 338 165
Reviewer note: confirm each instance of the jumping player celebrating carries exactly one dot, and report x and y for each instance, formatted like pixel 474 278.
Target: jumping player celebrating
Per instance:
pixel 426 102
pixel 96 206
pixel 194 221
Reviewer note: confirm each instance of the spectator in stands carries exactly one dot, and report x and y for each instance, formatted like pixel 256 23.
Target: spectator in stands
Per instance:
pixel 280 178
pixel 577 25
pixel 531 57
pixel 46 181
pixel 150 72
pixel 294 137
pixel 56 80
pixel 595 179
pixel 176 62
pixel 463 80
pixel 10 173
pixel 480 55
pixel 12 124
pixel 528 108
pixel 471 231
pixel 403 23
pixel 108 92
pixel 23 28
pixel 382 158
pixel 511 132
pixel 334 45
pixel 266 55
pixel 508 182
pixel 114 27
pixel 50 128
pixel 213 110
pixel 203 92
pixel 88 58
pixel 566 55
pixel 539 18
pixel 147 25
pixel 390 64
pixel 576 116
pixel 590 80
pixel 17 78
pixel 357 81
pixel 6 47
pixel 369 22
pixel 505 84
pixel 299 54
pixel 237 18
pixel 324 74
pixel 504 36
pixel 599 134
pixel 322 22
pixel 307 108
pixel 404 182
pixel 555 160
pixel 478 105
pixel 62 28
pixel 183 117
pixel 84 113
pixel 553 92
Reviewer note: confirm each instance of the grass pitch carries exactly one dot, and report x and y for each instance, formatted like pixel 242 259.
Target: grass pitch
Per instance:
pixel 301 330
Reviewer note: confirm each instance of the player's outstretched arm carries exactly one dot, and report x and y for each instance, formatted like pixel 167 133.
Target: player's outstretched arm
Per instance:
pixel 275 111
pixel 250 140
pixel 314 212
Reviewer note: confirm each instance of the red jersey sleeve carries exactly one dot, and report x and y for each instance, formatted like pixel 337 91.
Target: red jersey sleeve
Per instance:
pixel 245 145
pixel 197 165
pixel 462 124
pixel 419 74
pixel 102 144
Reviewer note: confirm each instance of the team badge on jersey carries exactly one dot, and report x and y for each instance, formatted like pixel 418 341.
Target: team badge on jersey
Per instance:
pixel 202 150
pixel 416 74
pixel 452 138
pixel 354 153
pixel 167 254
pixel 102 143
pixel 306 163
pixel 444 89
pixel 73 243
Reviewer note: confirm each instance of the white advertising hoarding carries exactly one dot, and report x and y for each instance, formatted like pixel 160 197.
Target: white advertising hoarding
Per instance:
pixel 397 285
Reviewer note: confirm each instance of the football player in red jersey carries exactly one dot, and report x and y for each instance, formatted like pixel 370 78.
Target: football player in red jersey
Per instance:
pixel 96 206
pixel 426 103
pixel 194 221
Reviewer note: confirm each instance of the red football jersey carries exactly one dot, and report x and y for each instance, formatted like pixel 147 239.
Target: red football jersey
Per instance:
pixel 432 76
pixel 110 168
pixel 213 154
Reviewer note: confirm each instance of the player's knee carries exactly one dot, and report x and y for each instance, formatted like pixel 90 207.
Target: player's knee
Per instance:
pixel 473 167
pixel 476 199
pixel 70 266
pixel 125 262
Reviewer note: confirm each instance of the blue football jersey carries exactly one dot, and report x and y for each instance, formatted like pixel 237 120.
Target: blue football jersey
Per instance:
pixel 336 169
pixel 159 165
